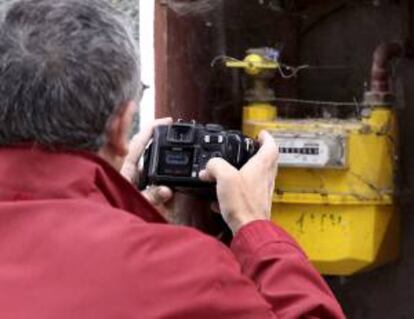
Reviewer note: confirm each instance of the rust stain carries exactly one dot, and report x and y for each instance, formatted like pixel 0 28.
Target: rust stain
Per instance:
pixel 325 221
pixel 301 223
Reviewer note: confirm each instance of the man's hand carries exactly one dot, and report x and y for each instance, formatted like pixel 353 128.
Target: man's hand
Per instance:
pixel 246 195
pixel 137 148
pixel 158 196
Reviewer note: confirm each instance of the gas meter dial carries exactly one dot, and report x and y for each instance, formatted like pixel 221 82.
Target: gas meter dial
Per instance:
pixel 311 150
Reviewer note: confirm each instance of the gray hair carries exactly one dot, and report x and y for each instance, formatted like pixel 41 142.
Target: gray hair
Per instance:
pixel 66 67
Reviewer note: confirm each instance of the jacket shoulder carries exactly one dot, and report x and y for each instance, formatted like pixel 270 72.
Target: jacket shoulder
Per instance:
pixel 128 240
pixel 156 270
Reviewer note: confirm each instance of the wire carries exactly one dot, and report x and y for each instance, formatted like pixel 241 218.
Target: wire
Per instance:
pixel 321 103
pixel 293 70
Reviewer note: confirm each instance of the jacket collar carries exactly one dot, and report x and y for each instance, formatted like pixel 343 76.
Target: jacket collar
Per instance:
pixel 32 173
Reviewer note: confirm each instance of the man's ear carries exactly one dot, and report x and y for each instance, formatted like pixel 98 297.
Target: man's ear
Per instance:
pixel 118 131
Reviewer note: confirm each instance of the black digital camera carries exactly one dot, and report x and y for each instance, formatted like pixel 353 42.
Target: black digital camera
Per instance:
pixel 179 152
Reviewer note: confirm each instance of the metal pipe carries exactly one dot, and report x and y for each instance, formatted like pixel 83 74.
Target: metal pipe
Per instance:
pixel 381 88
pixel 380 75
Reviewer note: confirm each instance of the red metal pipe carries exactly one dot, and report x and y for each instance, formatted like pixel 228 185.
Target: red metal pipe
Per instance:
pixel 380 75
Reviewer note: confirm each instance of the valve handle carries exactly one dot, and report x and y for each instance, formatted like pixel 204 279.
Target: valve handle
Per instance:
pixel 254 64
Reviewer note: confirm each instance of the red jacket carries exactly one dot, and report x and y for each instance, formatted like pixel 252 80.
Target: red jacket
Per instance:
pixel 78 241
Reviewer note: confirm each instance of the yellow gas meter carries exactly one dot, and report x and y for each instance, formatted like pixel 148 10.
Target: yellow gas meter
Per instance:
pixel 334 192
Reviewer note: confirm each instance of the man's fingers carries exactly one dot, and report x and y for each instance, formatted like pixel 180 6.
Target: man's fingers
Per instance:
pixel 137 147
pixel 216 168
pixel 268 153
pixel 140 141
pixel 158 195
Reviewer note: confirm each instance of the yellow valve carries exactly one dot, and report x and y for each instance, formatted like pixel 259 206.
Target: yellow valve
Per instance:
pixel 260 112
pixel 254 64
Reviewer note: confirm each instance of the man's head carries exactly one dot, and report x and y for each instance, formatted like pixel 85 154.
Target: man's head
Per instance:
pixel 68 75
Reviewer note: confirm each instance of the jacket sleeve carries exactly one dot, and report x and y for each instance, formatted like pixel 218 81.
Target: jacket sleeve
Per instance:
pixel 285 284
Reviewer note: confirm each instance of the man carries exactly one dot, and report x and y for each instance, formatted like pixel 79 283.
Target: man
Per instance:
pixel 77 240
